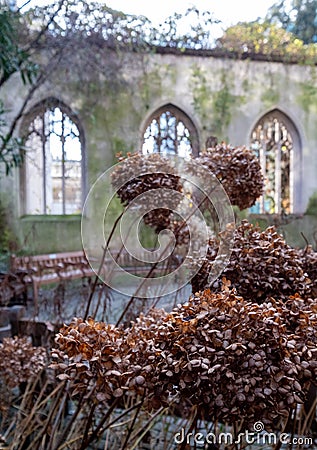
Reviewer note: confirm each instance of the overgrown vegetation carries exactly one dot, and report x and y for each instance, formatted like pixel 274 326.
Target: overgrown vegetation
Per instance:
pixel 13 59
pixel 268 41
pixel 240 350
pixel 296 16
pixel 93 29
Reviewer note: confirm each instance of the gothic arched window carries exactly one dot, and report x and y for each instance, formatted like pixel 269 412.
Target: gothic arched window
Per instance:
pixel 53 169
pixel 276 142
pixel 169 130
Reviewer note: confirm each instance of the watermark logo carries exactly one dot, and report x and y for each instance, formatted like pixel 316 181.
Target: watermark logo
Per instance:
pixel 106 230
pixel 258 437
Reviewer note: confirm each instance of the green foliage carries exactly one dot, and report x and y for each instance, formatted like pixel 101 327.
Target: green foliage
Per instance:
pixel 217 105
pixel 223 102
pixel 298 17
pixel 308 95
pixel 151 85
pixel 92 28
pixel 270 97
pixel 11 148
pixel 312 205
pixel 6 235
pixel 255 38
pixel 96 24
pixel 13 58
pixel 202 95
pixel 95 21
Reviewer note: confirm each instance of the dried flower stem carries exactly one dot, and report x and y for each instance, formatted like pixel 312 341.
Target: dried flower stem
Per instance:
pixel 93 289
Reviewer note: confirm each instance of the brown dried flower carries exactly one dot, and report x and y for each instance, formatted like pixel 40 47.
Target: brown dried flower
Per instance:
pixel 233 358
pixel 225 356
pixel 20 361
pixel 262 265
pixel 138 174
pixel 309 263
pixel 239 171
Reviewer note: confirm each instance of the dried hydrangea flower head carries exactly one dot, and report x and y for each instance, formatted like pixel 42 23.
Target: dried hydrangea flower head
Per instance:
pixel 309 263
pixel 137 174
pixel 262 265
pixel 20 362
pixel 239 171
pixel 218 353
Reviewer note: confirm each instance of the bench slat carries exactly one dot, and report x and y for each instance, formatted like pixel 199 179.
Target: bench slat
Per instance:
pixel 38 270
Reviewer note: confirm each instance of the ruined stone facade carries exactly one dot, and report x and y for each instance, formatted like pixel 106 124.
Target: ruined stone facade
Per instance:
pixel 112 110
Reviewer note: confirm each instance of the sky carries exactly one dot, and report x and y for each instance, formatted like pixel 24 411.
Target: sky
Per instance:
pixel 228 11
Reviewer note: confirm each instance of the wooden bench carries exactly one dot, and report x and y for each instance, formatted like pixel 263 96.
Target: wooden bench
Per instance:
pixel 138 265
pixel 38 270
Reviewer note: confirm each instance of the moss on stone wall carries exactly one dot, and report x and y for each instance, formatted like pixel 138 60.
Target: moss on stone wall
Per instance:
pixel 270 97
pixel 49 234
pixel 150 85
pixel 272 93
pixel 214 107
pixel 202 97
pixel 106 133
pixel 246 85
pixel 8 235
pixel 223 104
pixel 112 107
pixel 307 97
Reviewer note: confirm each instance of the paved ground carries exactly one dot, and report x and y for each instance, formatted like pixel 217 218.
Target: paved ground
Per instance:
pixel 60 303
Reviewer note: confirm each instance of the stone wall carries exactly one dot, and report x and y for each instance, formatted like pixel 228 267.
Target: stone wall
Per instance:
pixel 222 97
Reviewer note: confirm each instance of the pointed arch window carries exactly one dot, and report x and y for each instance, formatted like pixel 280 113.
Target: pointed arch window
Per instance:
pixel 169 130
pixel 53 169
pixel 276 142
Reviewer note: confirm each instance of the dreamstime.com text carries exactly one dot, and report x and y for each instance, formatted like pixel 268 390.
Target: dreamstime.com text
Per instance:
pixel 259 437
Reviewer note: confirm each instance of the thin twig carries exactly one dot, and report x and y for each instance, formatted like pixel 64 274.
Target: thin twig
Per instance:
pixel 307 243
pixel 88 424
pixel 72 420
pixel 177 230
pixel 133 422
pixel 141 433
pixel 96 433
pixel 101 265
